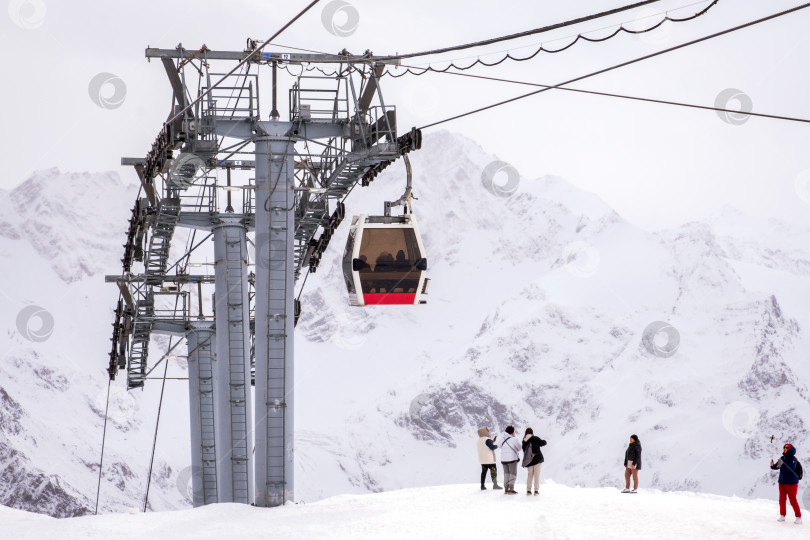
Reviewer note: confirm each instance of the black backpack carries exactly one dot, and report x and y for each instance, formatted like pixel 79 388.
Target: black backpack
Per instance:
pixel 799 470
pixel 528 455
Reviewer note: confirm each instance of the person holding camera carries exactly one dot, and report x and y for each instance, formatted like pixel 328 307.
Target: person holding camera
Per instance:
pixel 486 457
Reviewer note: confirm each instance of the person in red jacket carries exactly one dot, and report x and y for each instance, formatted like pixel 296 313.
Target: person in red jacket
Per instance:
pixel 788 482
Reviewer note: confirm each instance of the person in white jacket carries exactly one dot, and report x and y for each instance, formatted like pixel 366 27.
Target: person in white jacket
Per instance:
pixel 510 455
pixel 486 457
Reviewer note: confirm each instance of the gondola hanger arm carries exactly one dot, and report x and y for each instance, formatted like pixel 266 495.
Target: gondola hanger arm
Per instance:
pixel 407 197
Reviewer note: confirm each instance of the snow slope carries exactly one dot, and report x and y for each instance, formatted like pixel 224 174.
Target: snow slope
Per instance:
pixel 447 512
pixel 537 307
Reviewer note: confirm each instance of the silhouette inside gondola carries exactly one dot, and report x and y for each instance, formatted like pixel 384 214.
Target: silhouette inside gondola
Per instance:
pixel 382 276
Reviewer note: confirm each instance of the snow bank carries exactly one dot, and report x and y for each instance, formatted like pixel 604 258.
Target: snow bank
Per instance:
pixel 459 511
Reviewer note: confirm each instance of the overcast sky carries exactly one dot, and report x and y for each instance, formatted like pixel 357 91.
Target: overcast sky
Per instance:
pixel 657 165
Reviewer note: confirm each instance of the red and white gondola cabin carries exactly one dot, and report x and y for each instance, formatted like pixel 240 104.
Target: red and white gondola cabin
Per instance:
pixel 384 262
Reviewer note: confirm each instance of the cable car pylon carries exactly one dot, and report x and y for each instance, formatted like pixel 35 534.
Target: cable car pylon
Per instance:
pixel 293 175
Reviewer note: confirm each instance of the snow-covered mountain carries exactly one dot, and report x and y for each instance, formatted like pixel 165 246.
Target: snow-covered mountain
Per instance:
pixel 538 306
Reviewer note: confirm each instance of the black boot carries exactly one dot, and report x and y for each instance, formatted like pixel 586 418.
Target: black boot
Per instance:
pixel 483 487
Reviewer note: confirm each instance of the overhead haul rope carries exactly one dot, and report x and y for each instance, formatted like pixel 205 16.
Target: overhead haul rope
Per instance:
pixel 541 48
pixel 623 64
pixel 559 87
pixel 419 70
pixel 521 34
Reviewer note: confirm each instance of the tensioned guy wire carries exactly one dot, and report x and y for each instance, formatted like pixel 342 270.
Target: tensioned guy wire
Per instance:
pixel 635 98
pixel 103 441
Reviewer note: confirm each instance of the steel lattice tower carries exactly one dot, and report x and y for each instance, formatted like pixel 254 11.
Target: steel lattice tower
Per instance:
pixel 290 208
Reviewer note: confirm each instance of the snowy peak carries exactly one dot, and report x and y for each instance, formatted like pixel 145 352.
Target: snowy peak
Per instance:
pixel 769 372
pixel 699 265
pixel 75 221
pixel 764 242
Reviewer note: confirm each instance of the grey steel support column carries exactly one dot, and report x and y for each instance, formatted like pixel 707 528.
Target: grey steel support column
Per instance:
pixel 232 368
pixel 201 341
pixel 275 280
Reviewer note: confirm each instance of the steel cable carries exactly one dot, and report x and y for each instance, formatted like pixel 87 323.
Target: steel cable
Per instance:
pixel 623 64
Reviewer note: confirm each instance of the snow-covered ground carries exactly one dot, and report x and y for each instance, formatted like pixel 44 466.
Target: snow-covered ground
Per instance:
pixel 446 512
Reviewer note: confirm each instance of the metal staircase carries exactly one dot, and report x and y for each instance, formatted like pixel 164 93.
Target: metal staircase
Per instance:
pixel 141 332
pixel 158 257
pixel 156 263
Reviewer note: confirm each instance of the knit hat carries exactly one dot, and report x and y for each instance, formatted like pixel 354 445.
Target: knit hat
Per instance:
pixel 634 437
pixel 483 432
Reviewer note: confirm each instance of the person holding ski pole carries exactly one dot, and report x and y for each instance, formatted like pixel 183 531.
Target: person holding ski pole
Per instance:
pixel 788 482
pixel 632 464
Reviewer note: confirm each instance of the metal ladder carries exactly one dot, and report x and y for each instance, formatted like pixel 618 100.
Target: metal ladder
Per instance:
pixel 207 427
pixel 239 397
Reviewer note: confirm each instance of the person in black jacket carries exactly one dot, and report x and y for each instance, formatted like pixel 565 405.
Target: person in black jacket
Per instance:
pixel 788 482
pixel 632 464
pixel 536 462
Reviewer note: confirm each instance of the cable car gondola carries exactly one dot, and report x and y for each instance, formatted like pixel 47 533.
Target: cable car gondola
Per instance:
pixel 384 262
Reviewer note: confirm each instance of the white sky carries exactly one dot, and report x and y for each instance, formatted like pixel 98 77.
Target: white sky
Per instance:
pixel 657 165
